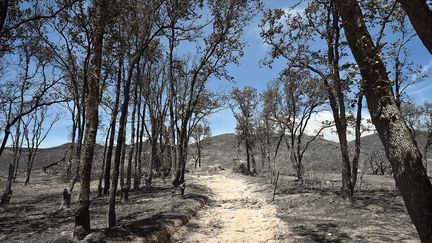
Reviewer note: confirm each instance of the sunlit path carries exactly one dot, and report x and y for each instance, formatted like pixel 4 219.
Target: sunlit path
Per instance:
pixel 239 213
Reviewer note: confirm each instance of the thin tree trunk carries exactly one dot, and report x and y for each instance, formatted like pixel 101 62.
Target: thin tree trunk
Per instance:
pixel 199 153
pixel 113 122
pixel 137 181
pixel 119 148
pixel 138 145
pixel 18 157
pixel 5 139
pixel 7 194
pixel 72 145
pixel 400 147
pixel 125 194
pixel 357 140
pixel 336 97
pixel 183 157
pixel 31 157
pixel 247 154
pixel 101 175
pixel 122 162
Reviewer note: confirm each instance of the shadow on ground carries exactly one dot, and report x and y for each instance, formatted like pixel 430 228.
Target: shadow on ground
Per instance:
pixel 148 211
pixel 317 213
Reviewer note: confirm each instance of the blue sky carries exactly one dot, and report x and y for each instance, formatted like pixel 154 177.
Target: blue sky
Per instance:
pixel 250 73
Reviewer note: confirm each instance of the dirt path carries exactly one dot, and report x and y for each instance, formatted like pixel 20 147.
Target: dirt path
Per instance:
pixel 240 212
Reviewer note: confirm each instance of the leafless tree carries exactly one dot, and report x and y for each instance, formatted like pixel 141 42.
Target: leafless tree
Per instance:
pixel 35 134
pixel 199 134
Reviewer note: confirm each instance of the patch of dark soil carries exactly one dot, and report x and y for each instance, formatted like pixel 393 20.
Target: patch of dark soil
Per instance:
pixel 148 211
pixel 318 213
pixel 322 232
pixel 390 201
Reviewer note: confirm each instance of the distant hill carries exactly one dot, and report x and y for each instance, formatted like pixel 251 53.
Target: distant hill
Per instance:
pixel 224 150
pixel 44 156
pixel 373 142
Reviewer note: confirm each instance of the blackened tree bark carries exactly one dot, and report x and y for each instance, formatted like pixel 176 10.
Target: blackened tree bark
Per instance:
pixel 120 142
pixel 4 5
pixel 107 171
pixel 117 160
pixel 101 175
pixel 125 190
pixel 138 147
pixel 336 95
pixel 246 101
pixel 400 147
pixel 82 213
pixel 137 176
pixel 420 16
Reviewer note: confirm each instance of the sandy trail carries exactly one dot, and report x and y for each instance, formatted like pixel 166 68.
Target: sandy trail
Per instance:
pixel 239 212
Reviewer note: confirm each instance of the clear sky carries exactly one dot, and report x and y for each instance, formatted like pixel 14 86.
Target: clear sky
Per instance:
pixel 250 73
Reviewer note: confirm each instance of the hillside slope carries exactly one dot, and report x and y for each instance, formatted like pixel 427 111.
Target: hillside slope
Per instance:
pixel 224 150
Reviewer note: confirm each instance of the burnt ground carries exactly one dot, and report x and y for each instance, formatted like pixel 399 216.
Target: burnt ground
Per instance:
pixel 240 209
pixel 316 212
pixel 34 214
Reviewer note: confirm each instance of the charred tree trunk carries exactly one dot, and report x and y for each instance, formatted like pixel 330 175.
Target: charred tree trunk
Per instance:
pixel 122 162
pixel 420 16
pixel 247 153
pixel 107 171
pixel 5 139
pixel 337 99
pixel 31 157
pixel 138 172
pixel 72 145
pixel 116 168
pixel 183 147
pixel 357 140
pixel 7 194
pixel 154 160
pixel 82 213
pixel 101 175
pixel 125 192
pixel 4 5
pixel 296 158
pixel 120 143
pixel 199 153
pixel 138 146
pixel 400 147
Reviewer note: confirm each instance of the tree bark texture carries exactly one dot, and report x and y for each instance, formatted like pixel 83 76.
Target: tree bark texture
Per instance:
pixel 82 212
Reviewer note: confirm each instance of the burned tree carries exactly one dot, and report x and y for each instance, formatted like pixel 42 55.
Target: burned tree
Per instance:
pixel 199 134
pixel 35 134
pixel 400 148
pixel 302 99
pixel 82 213
pixel 246 102
pixel 292 37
